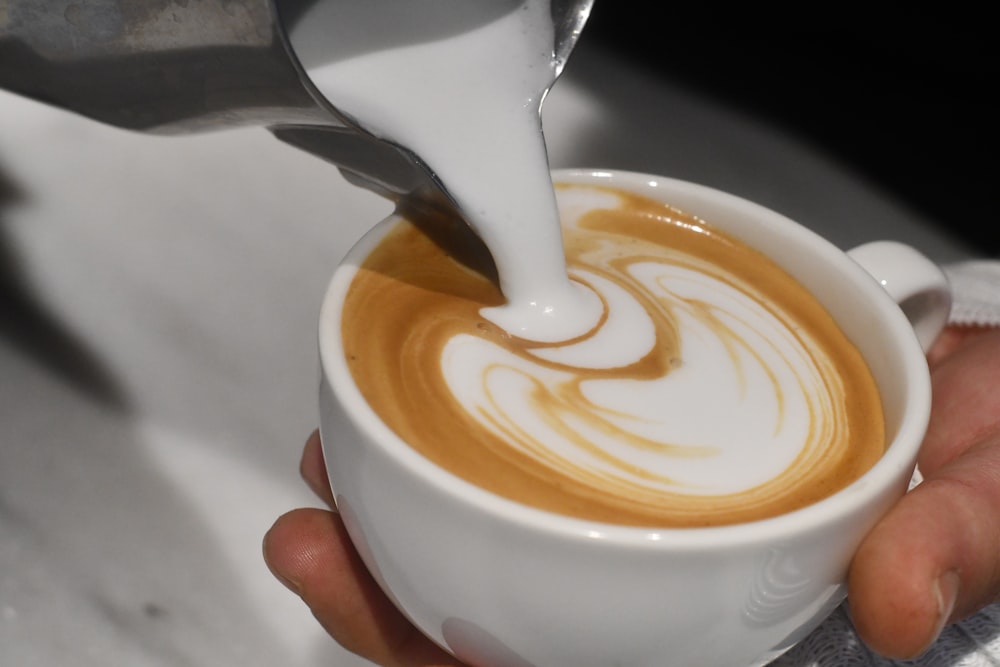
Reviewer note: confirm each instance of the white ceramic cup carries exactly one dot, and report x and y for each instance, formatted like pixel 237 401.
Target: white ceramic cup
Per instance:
pixel 498 583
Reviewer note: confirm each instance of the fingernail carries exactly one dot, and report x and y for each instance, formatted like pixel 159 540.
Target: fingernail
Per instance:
pixel 946 594
pixel 290 584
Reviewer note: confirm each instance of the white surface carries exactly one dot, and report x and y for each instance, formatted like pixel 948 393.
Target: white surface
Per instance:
pixel 161 375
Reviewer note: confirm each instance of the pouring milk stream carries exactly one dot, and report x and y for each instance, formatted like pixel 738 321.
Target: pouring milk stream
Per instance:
pixel 467 101
pixel 461 84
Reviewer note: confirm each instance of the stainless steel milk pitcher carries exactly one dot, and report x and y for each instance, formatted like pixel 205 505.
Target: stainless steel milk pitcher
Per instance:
pixel 181 66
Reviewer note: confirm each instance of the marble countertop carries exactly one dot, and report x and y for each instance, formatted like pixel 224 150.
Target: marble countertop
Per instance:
pixel 158 364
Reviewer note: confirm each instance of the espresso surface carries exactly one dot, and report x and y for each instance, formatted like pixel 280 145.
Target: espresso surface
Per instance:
pixel 715 389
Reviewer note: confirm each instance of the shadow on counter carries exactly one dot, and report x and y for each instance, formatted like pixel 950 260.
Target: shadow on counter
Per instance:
pixel 35 332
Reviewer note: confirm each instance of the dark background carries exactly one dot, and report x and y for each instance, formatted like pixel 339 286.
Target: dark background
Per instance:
pixel 904 100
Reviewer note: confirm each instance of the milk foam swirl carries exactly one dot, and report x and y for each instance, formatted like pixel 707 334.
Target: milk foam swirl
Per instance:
pixel 715 389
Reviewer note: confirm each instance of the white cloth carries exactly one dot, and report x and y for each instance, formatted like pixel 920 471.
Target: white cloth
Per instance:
pixel 976 292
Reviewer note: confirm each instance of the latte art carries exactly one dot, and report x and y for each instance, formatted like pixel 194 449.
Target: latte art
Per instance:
pixel 714 389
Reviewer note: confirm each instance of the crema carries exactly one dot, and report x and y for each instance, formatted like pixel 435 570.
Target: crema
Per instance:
pixel 714 389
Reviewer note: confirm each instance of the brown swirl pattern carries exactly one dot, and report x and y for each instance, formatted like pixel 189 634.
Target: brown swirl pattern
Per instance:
pixel 412 323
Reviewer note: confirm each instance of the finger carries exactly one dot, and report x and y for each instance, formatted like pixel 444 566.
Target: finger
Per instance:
pixel 312 467
pixel 933 559
pixel 966 400
pixel 951 339
pixel 310 552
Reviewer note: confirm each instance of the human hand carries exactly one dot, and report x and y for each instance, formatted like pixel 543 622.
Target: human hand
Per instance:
pixel 309 551
pixel 933 559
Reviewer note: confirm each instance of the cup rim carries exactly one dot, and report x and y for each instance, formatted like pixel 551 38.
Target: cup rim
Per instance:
pixel 898 459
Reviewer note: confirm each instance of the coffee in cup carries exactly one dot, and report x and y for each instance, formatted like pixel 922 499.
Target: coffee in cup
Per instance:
pixel 715 389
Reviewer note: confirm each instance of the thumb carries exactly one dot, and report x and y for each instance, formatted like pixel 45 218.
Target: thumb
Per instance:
pixel 310 552
pixel 934 559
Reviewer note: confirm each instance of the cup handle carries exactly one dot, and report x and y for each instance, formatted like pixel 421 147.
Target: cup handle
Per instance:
pixel 914 282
